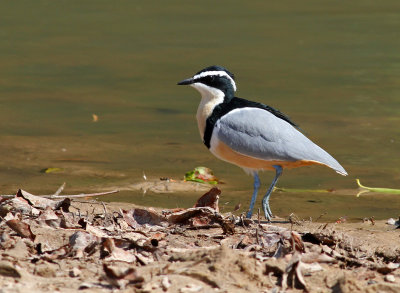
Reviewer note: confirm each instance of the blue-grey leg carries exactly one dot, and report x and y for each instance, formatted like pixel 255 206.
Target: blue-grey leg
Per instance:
pixel 254 196
pixel 265 201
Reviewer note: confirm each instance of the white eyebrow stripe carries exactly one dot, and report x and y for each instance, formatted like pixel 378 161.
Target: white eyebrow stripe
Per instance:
pixel 219 73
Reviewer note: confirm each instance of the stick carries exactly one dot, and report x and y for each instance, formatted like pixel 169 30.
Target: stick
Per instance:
pixel 70 196
pixel 104 208
pixel 82 194
pixel 59 190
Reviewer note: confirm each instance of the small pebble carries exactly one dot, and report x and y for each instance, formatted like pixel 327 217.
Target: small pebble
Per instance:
pixel 390 278
pixel 393 266
pixel 191 288
pixel 75 272
pixel 391 221
pixel 165 283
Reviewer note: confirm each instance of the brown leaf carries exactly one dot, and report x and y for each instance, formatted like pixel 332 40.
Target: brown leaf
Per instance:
pixel 209 199
pixel 91 229
pixel 237 207
pixel 129 274
pixel 245 241
pixel 42 203
pixel 387 268
pixel 270 239
pixel 22 229
pixel 156 238
pixel 59 253
pixel 191 216
pixel 140 244
pixel 159 236
pixel 184 216
pixel 114 252
pixel 200 221
pixel 8 270
pixel 17 205
pixel 80 240
pixel 129 219
pixel 137 217
pixel 298 243
pixel 49 217
pixel 119 277
pixel 63 204
pixel 67 220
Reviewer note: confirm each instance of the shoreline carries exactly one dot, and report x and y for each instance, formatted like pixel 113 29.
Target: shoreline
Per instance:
pixel 90 246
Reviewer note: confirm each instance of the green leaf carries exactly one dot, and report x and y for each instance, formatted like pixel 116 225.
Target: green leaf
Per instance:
pixel 376 189
pixel 51 170
pixel 201 175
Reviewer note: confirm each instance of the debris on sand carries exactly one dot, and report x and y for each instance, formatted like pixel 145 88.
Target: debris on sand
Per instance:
pixel 52 245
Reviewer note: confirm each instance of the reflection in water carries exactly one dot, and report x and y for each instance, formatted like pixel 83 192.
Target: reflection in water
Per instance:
pixel 333 69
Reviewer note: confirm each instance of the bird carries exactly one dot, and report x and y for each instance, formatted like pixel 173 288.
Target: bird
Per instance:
pixel 251 135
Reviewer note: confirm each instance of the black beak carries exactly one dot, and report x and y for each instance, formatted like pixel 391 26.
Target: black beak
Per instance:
pixel 186 81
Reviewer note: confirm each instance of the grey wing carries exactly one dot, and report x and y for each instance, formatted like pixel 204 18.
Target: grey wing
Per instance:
pixel 258 133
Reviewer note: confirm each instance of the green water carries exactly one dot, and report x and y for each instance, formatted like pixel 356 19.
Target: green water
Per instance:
pixel 333 67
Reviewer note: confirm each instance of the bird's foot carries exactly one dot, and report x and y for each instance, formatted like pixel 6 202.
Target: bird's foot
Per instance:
pixel 249 214
pixel 270 213
pixel 267 212
pixel 268 217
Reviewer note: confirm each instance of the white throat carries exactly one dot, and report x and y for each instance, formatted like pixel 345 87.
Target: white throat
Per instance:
pixel 210 97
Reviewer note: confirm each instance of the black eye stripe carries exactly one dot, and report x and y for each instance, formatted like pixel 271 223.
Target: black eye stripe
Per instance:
pixel 211 78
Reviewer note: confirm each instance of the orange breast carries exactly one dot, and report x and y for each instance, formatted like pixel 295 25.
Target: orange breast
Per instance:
pixel 225 153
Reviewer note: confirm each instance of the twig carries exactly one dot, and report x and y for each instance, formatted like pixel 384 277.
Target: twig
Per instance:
pixel 257 237
pixel 372 219
pixel 320 216
pixel 81 195
pixel 105 209
pixel 59 190
pixel 293 244
pixel 65 196
pixel 242 221
pixel 87 201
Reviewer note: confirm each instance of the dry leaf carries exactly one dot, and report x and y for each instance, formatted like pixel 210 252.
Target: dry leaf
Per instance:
pixel 17 205
pixel 270 239
pixel 114 252
pixel 298 243
pixel 184 216
pixel 192 216
pixel 22 229
pixel 119 277
pixel 136 217
pixel 49 217
pixel 209 199
pixel 79 241
pixel 8 270
pixel 43 203
pixel 237 207
pixel 59 253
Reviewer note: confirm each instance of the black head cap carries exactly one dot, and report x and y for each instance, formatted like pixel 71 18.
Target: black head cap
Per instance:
pixel 216 77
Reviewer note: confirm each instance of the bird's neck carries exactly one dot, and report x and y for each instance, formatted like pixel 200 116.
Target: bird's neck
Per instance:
pixel 210 98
